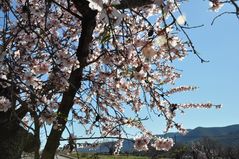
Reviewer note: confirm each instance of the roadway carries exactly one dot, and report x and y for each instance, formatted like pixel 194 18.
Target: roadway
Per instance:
pixel 56 157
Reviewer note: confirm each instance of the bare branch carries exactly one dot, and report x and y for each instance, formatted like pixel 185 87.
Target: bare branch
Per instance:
pixel 124 4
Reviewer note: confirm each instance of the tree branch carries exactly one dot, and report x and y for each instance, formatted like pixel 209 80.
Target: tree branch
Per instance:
pixel 124 4
pixel 88 25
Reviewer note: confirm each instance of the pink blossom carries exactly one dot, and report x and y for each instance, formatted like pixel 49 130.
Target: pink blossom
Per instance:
pixel 5 104
pixel 215 5
pixel 163 144
pixel 141 143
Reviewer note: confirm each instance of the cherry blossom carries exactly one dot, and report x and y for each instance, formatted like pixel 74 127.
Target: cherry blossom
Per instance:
pixel 5 104
pixel 141 143
pixel 215 5
pixel 118 146
pixel 98 64
pixel 181 19
pixel 163 144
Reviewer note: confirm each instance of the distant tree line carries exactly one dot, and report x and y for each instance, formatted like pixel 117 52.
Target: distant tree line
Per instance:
pixel 205 148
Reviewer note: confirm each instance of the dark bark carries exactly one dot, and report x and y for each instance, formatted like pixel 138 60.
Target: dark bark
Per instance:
pixel 63 111
pixel 13 138
pixel 88 25
pixel 124 4
pixel 37 138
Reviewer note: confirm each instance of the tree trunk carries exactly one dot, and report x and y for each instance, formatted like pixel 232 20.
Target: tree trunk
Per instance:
pixel 88 26
pixel 13 138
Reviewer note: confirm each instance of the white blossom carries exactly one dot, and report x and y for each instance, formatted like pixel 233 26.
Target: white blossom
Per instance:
pixel 5 104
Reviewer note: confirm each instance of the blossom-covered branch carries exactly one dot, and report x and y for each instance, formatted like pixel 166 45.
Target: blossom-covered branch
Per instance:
pixel 89 63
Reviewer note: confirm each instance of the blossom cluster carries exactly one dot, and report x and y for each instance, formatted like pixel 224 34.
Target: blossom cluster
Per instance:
pixel 180 89
pixel 194 105
pixel 141 143
pixel 215 5
pixel 5 104
pixel 129 64
pixel 163 144
pixel 118 146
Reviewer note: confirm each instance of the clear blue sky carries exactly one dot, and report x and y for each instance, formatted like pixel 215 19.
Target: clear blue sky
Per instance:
pixel 218 80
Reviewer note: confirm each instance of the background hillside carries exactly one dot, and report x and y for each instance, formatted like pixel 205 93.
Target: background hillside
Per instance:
pixel 227 136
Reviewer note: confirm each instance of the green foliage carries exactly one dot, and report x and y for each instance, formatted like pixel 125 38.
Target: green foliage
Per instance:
pixel 100 156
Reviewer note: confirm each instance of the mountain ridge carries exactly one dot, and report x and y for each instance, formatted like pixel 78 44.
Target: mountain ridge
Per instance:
pixel 226 135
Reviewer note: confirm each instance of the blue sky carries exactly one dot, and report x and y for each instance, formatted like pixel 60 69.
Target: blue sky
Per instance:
pixel 218 79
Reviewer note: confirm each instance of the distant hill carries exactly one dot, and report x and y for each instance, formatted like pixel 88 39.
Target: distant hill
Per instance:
pixel 228 135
